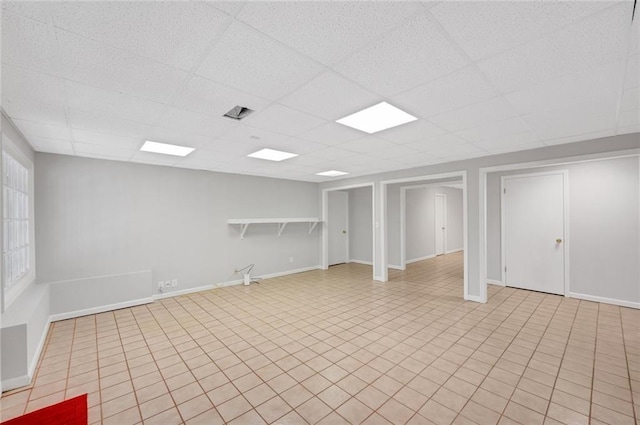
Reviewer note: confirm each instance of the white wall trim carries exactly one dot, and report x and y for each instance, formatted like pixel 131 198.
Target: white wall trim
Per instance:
pixel 604 300
pixel 99 309
pixel 453 250
pixel 474 299
pixel 395 267
pixel 426 257
pixel 495 282
pixel 367 263
pixel 24 380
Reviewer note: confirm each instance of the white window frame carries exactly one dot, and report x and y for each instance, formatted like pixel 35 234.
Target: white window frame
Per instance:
pixel 9 295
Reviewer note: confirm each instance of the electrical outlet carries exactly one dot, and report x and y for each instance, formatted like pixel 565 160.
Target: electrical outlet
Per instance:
pixel 174 282
pixel 160 285
pixel 291 259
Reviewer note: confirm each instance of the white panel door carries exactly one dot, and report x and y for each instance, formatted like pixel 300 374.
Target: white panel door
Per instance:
pixel 533 226
pixel 337 222
pixel 440 223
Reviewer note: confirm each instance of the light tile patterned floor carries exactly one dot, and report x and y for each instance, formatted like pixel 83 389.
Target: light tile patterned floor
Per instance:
pixel 334 347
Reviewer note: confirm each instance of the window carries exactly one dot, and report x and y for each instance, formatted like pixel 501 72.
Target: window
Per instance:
pixel 17 246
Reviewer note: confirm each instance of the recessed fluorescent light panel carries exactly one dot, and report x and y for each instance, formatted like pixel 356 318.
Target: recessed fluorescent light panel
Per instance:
pixel 377 118
pixel 166 148
pixel 272 155
pixel 332 173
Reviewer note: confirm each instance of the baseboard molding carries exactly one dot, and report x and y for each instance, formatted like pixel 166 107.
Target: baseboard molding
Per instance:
pixel 13 383
pixel 378 279
pixel 415 260
pixel 393 266
pixel 495 282
pixel 100 309
pixel 474 298
pixel 621 303
pixel 229 283
pixel 453 250
pixel 366 263
pixel 24 380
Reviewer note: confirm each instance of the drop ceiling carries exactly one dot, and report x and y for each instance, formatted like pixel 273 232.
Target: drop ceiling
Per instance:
pixel 98 79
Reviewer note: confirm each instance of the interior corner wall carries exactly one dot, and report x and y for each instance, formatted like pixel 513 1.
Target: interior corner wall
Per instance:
pixel 360 224
pixel 100 218
pixel 604 227
pixel 393 226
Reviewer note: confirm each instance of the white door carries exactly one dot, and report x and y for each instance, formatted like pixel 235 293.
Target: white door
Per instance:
pixel 533 232
pixel 337 224
pixel 440 223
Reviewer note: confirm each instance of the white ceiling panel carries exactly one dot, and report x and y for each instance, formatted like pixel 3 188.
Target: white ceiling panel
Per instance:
pixel 396 152
pixel 101 123
pixel 215 99
pixel 29 9
pixel 114 152
pixel 632 74
pixel 596 115
pixel 444 141
pixel 154 30
pixel 40 112
pixel 330 96
pixel 250 61
pixel 594 41
pixel 493 130
pixel 491 110
pixel 480 28
pixel 580 137
pixel 460 88
pixel 509 141
pixel 411 132
pixel 99 65
pixel 568 89
pixel 331 134
pixel 231 7
pixel 177 136
pixel 334 154
pixel 514 148
pixel 32 86
pixel 155 158
pixel 246 134
pixel 194 122
pixel 326 31
pixel 405 58
pixel 25 43
pixel 42 144
pixel 298 146
pixel 629 118
pixel 630 99
pixel 112 103
pixel 367 144
pixel 32 129
pixel 281 119
pixel 88 137
pixel 233 147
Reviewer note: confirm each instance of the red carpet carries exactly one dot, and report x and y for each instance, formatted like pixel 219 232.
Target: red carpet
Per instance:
pixel 68 412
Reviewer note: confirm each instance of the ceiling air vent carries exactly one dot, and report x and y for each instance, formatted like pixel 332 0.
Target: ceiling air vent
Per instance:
pixel 238 112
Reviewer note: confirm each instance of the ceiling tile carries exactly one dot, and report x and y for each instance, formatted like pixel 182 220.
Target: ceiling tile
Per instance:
pixel 25 43
pixel 231 7
pixel 395 152
pixel 367 144
pixel 245 133
pixel 42 144
pixel 508 141
pixel 330 96
pixel 212 156
pixel 99 65
pixel 19 83
pixel 629 118
pixel 594 41
pixel 630 99
pixel 411 132
pixel 632 74
pixel 326 31
pixel 112 152
pixel 154 158
pixel 493 130
pixel 36 10
pixel 460 88
pixel 580 137
pixel 178 136
pixel 211 98
pixel 32 129
pixel 298 146
pixel 475 115
pixel 112 103
pixel 281 119
pixel 595 115
pixel 40 112
pixel 331 134
pixel 194 122
pixel 155 30
pixel 88 137
pixel 506 148
pixel 250 61
pixel 481 28
pixel 407 57
pixel 235 148
pixel 437 144
pixel 101 123
pixel 333 153
pixel 568 89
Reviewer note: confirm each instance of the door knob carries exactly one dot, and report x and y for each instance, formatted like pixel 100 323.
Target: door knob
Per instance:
pixel 344 231
pixel 558 240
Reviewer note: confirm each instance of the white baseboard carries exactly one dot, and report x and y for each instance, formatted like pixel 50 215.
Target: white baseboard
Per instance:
pixel 495 282
pixel 13 383
pixel 393 266
pixel 604 300
pixel 170 294
pixel 366 263
pixel 415 260
pixel 24 380
pixel 100 309
pixel 474 298
pixel 453 250
pixel 378 279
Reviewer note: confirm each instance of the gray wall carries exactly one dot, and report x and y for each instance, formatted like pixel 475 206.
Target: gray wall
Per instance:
pixel 603 224
pixel 96 218
pixel 419 222
pixel 360 224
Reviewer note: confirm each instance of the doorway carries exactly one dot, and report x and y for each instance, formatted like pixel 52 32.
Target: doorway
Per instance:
pixel 533 231
pixel 338 226
pixel 440 223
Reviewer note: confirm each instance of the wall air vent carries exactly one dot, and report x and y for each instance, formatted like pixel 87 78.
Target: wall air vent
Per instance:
pixel 238 112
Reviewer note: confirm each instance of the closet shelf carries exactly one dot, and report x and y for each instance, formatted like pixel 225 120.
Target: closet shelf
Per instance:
pixel 281 222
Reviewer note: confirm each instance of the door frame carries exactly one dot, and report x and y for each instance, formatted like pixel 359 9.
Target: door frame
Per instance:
pixel 346 225
pixel 444 222
pixel 324 240
pixel 566 241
